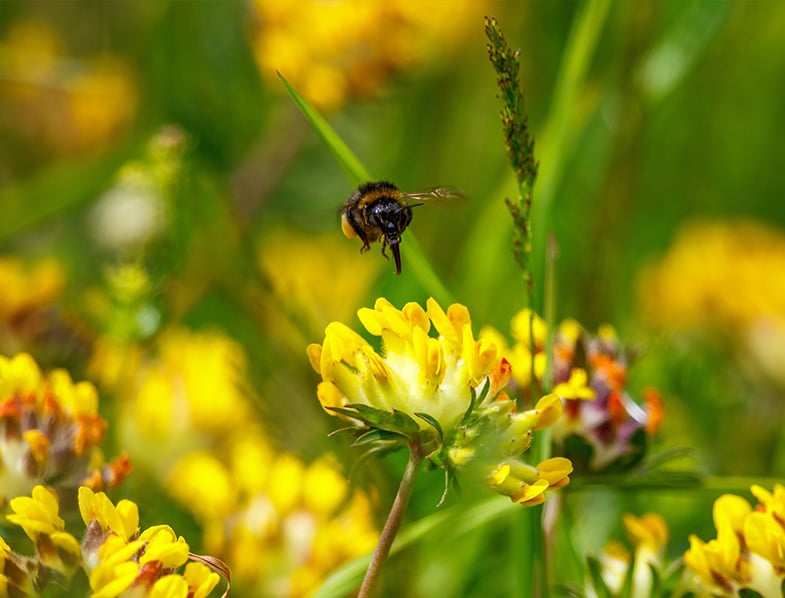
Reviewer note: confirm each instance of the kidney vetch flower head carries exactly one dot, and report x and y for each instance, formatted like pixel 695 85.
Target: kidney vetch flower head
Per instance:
pixel 50 431
pixel 749 550
pixel 119 559
pixel 435 387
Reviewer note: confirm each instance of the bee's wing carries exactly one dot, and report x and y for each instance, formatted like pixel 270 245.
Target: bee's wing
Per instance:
pixel 436 194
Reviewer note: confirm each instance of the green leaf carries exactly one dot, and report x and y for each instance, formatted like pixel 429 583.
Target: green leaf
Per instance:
pixel 353 168
pixel 629 579
pixel 595 572
pixel 656 581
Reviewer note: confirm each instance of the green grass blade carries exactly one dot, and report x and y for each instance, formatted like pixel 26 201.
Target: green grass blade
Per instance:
pixel 353 168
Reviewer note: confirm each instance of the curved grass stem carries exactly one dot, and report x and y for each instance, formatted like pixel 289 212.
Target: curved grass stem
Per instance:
pixel 394 519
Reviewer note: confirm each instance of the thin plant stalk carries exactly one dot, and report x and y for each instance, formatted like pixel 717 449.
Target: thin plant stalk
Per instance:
pixel 394 519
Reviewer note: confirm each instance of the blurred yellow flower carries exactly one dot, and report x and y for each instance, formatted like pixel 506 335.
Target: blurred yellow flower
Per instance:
pixel 748 550
pixel 28 287
pixel 187 394
pixel 649 537
pixel 332 50
pixel 60 101
pixel 50 431
pixel 318 278
pixel 716 274
pixel 28 306
pixel 723 281
pixel 282 524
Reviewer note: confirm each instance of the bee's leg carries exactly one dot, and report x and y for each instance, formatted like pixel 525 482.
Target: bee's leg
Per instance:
pixel 366 244
pixel 384 246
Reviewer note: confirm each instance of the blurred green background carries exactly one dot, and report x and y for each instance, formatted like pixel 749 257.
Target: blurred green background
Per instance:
pixel 646 115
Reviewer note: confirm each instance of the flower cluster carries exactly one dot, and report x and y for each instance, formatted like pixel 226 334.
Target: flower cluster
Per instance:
pixel 70 103
pixel 688 288
pixel 749 550
pixel 119 559
pixel 30 290
pixel 182 395
pixel 440 391
pixel 50 431
pixel 721 282
pixel 330 50
pixel 649 537
pixel 603 428
pixel 189 422
pixel 302 518
pixel 311 285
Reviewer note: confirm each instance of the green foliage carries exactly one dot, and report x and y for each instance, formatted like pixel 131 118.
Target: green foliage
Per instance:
pixel 645 115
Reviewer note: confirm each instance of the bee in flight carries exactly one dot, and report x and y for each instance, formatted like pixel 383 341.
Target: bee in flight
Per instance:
pixel 379 211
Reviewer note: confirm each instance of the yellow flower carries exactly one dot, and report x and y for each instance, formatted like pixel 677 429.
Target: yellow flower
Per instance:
pixel 576 387
pixel 67 447
pixel 201 481
pixel 70 104
pixel 437 385
pixel 163 547
pixel 526 484
pixel 649 536
pixel 122 520
pixel 689 287
pixel 419 374
pixel 323 277
pixel 186 393
pixel 525 327
pixel 748 550
pixel 201 579
pixel 332 50
pixel 37 515
pixel 28 287
pixel 119 561
pixel 302 518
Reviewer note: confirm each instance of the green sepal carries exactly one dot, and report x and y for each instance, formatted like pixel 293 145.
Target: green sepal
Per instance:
pixel 748 593
pixel 392 421
pixel 450 478
pixel 347 429
pixel 476 400
pixel 376 435
pixel 433 422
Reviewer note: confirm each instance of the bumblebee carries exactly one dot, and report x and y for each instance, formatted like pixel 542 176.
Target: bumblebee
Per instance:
pixel 379 211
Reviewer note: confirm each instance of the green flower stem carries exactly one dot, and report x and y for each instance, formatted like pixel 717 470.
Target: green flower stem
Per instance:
pixel 394 519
